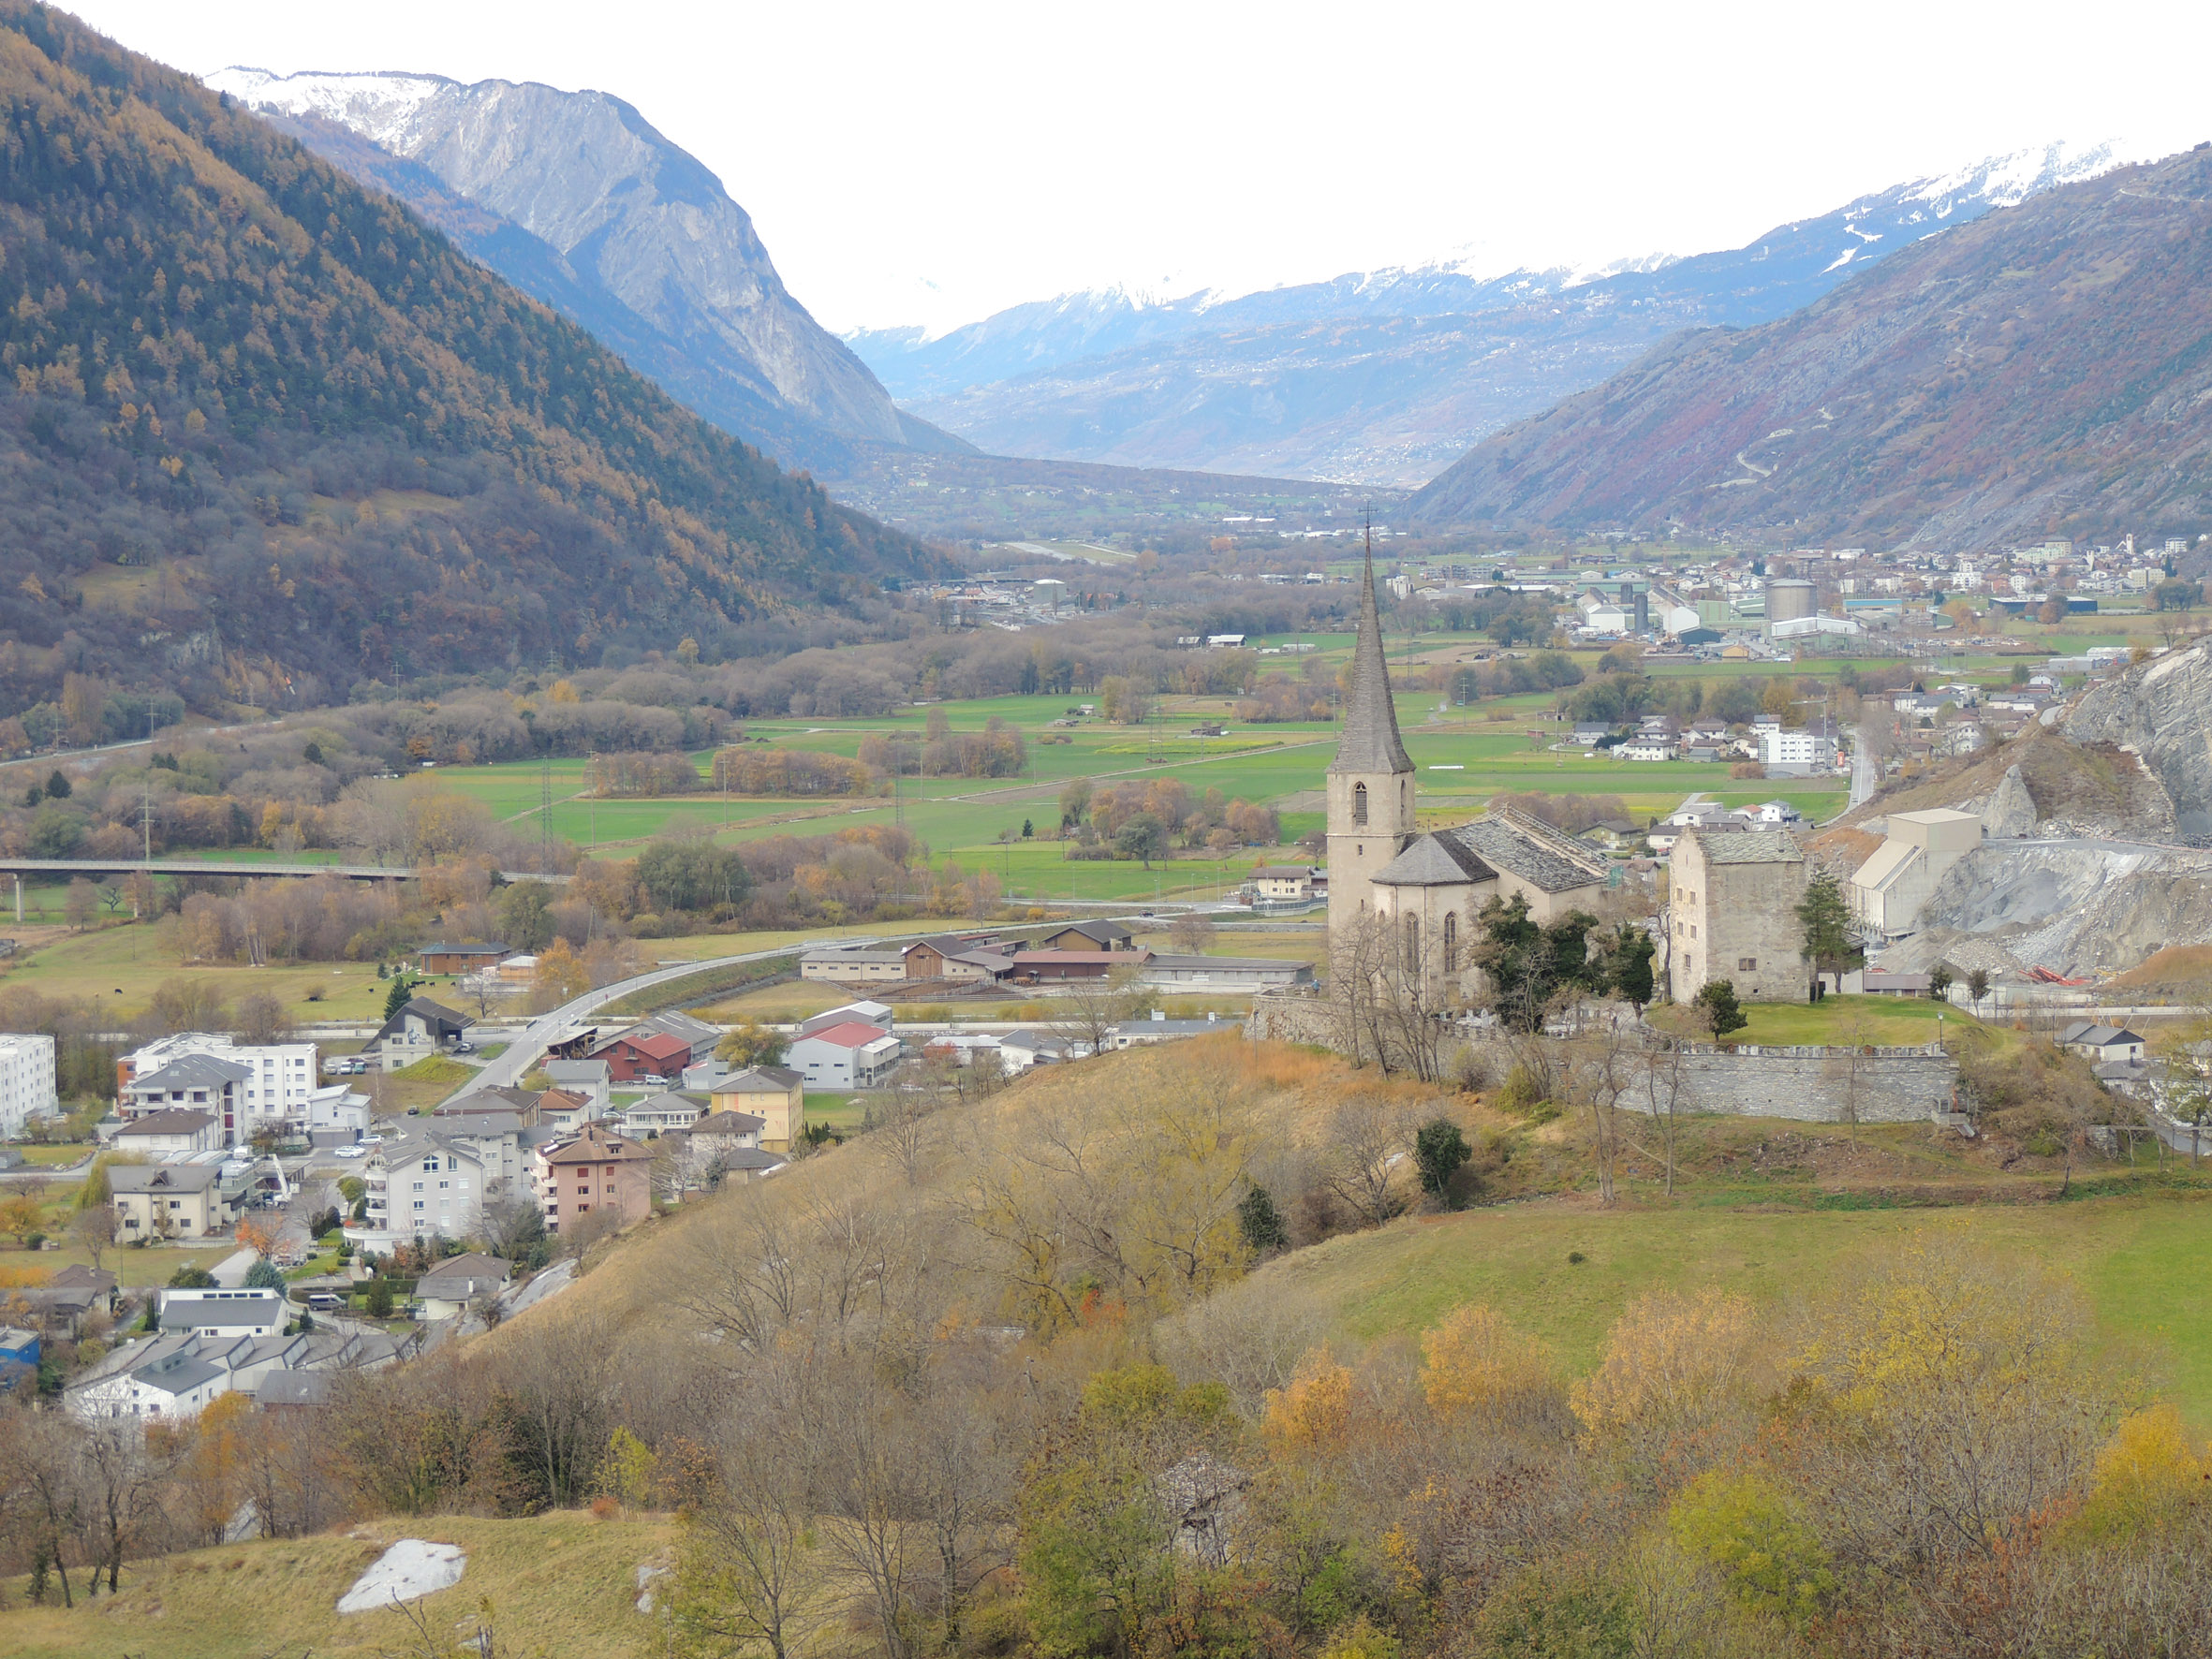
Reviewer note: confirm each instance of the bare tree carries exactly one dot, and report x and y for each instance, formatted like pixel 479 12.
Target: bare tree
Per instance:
pixel 1091 1008
pixel 1367 1138
pixel 742 1575
pixel 1193 934
pixel 94 1228
pixel 1601 1064
pixel 1662 1085
pixel 744 1285
pixel 261 1019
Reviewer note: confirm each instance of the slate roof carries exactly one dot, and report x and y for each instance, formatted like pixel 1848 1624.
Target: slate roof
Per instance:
pixel 194 1071
pixel 1758 846
pixel 168 1178
pixel 727 1122
pixel 1435 861
pixel 1505 845
pixel 170 1120
pixel 294 1387
pixel 766 1079
pixel 1370 742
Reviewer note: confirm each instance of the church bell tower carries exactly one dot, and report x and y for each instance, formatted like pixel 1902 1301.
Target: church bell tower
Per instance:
pixel 1371 780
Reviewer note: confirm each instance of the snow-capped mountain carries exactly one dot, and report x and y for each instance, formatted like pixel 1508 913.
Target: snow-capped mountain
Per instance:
pixel 576 198
pixel 1387 377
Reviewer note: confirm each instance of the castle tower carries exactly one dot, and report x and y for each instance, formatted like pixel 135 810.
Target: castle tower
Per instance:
pixel 1371 780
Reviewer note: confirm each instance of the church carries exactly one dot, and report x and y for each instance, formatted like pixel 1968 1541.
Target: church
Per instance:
pixel 1427 888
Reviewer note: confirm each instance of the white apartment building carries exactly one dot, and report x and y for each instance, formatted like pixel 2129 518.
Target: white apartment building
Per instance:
pixel 1793 748
pixel 26 1080
pixel 280 1077
pixel 427 1185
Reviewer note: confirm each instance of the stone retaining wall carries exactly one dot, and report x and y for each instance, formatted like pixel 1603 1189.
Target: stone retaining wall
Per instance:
pixel 1810 1085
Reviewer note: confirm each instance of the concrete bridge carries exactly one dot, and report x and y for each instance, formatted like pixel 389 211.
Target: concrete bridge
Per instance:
pixel 30 868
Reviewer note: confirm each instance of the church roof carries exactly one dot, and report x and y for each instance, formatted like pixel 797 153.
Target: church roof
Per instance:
pixel 1504 845
pixel 1370 742
pixel 1434 861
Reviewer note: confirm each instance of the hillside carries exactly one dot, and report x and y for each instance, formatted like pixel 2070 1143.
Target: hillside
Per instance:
pixel 2041 370
pixel 271 435
pixel 1385 377
pixel 580 202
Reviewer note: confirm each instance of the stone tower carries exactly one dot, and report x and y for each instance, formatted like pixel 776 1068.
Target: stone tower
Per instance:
pixel 1371 780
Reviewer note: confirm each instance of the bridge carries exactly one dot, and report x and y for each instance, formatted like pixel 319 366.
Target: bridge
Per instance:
pixel 23 868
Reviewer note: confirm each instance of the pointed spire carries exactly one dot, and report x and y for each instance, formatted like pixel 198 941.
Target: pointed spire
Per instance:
pixel 1370 742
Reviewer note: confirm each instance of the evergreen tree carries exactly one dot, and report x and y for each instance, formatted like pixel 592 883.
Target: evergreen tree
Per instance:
pixel 1628 964
pixel 1827 922
pixel 1261 1222
pixel 57 786
pixel 263 1276
pixel 379 1298
pixel 396 998
pixel 1717 1007
pixel 1439 1152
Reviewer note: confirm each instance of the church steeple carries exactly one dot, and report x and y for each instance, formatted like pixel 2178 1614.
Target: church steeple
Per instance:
pixel 1370 791
pixel 1370 742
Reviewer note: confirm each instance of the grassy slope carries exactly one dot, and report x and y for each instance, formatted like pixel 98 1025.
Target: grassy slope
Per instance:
pixel 2135 1258
pixel 561 1583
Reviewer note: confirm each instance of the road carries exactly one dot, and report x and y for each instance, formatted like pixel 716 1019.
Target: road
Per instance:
pixel 21 867
pixel 524 1052
pixel 1865 777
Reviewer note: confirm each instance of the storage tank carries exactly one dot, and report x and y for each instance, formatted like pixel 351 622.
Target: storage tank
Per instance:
pixel 1789 600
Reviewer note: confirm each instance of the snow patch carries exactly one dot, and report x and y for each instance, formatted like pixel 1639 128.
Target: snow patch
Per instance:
pixel 382 108
pixel 408 1571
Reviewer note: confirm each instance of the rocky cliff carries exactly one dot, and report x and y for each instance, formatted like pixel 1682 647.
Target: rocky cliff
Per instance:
pixel 576 198
pixel 2161 711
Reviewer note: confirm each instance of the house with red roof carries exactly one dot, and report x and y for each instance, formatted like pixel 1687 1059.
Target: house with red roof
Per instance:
pixel 635 1055
pixel 853 1055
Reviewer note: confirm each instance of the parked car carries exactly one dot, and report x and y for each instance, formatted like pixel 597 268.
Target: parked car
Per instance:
pixel 349 1151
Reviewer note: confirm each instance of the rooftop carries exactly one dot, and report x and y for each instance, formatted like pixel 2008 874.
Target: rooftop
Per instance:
pixel 172 1120
pixel 1755 846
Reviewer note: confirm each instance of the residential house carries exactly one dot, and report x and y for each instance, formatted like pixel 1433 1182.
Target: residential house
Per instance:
pixel 64 1301
pixel 562 1112
pixel 962 1048
pixel 657 1114
pixel 1282 884
pixel 726 1131
pixel 336 1116
pixel 2105 1045
pixel 850 1056
pixel 421 1029
pixel 591 1080
pixel 1590 733
pixel 776 1094
pixel 163 1133
pixel 656 1055
pixel 448 1289
pixel 501 1142
pixel 593 1171
pixel 698 1036
pixel 170 1200
pixel 459 959
pixel 223 1311
pixel 1644 748
pixel 195 1082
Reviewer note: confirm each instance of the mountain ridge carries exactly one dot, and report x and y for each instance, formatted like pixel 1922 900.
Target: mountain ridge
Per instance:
pixel 260 463
pixel 2045 370
pixel 579 200
pixel 1208 381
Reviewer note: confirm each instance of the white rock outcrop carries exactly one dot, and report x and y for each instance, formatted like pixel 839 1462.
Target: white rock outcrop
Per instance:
pixel 408 1571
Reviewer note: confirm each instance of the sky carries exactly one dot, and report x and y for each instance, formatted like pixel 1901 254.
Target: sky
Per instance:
pixel 919 164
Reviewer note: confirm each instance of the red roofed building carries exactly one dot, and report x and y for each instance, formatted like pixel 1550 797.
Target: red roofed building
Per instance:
pixel 631 1057
pixel 850 1056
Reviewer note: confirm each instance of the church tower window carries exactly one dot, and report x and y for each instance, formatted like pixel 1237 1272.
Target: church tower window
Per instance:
pixel 1451 941
pixel 1359 804
pixel 1413 945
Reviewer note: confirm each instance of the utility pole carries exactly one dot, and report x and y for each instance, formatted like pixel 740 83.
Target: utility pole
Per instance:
pixel 545 836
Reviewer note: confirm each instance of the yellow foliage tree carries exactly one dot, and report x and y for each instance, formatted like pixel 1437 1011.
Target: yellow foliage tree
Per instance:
pixel 2148 1477
pixel 1475 1364
pixel 1314 1413
pixel 256 1236
pixel 1671 1367
pixel 561 975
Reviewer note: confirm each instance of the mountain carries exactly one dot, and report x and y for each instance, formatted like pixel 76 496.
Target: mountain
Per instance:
pixel 271 435
pixel 579 201
pixel 2046 368
pixel 1387 377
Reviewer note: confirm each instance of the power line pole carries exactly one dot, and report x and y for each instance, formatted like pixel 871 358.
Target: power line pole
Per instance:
pixel 545 835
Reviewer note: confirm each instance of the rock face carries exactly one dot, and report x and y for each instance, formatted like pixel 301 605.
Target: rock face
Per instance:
pixel 2072 907
pixel 408 1571
pixel 2010 811
pixel 2161 711
pixel 577 200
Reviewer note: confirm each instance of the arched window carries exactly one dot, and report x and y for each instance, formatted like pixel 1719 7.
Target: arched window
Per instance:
pixel 1413 945
pixel 1359 804
pixel 1451 941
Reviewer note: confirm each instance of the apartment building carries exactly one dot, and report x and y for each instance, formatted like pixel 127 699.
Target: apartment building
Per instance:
pixel 26 1080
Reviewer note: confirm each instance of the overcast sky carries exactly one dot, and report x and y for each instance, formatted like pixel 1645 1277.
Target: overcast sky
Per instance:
pixel 916 163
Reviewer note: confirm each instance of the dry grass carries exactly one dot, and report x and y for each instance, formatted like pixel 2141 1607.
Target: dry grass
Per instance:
pixel 558 1584
pixel 2182 972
